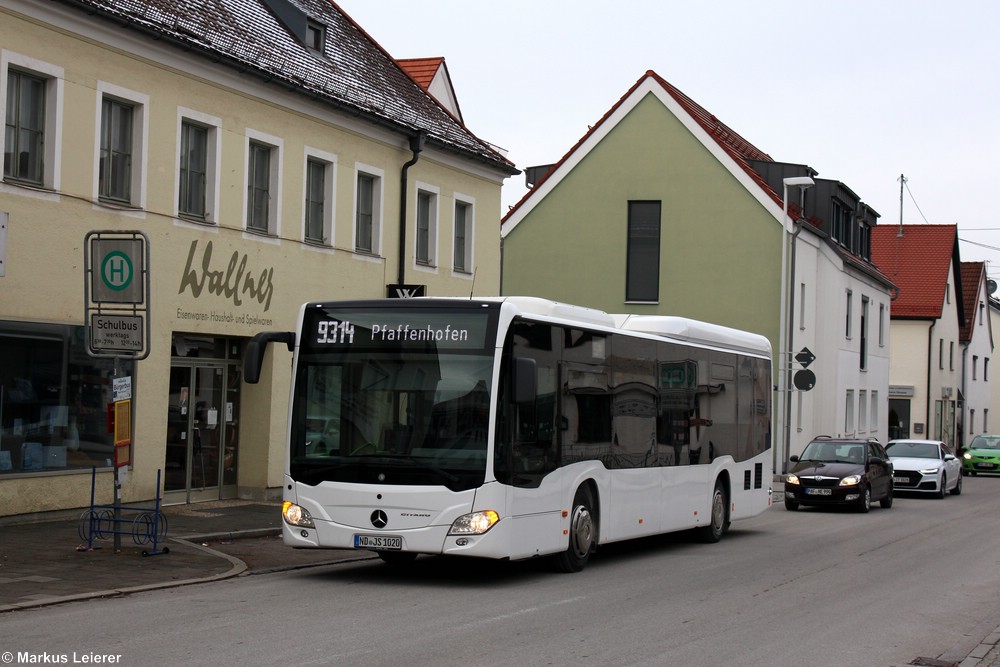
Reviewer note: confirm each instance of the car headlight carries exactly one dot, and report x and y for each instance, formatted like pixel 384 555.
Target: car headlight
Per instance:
pixel 296 516
pixel 929 471
pixel 476 523
pixel 967 456
pixel 851 480
pixel 792 479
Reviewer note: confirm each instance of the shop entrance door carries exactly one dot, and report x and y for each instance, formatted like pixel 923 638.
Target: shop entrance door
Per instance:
pixel 201 434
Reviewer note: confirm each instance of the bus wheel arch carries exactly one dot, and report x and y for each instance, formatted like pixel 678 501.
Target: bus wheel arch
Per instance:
pixel 718 512
pixel 584 525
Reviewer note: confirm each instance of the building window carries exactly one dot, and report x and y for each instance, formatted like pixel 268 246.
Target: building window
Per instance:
pixel 975 364
pixel 193 175
pixel 862 411
pixel 115 164
pixel 426 238
pixel 941 353
pixel 951 355
pixel 463 237
pixel 972 422
pixel 881 325
pixel 847 320
pixel 367 213
pixel 315 36
pixel 864 333
pixel 24 141
pixel 643 261
pixel 802 306
pixel 315 205
pixel 986 369
pixel 873 413
pixel 849 413
pixel 986 422
pixel 53 407
pixel 259 187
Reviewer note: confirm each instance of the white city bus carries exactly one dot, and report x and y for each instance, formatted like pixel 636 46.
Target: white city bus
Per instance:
pixel 516 427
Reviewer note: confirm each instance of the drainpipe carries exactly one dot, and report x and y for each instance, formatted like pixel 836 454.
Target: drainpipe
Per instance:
pixel 417 142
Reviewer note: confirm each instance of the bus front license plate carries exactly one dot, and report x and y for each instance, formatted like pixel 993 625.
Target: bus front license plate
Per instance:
pixel 378 542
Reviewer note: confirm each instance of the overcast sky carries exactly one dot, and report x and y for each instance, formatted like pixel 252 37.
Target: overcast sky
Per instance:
pixel 861 90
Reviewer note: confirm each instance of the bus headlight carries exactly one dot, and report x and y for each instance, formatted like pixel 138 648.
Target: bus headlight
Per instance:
pixel 476 523
pixel 295 515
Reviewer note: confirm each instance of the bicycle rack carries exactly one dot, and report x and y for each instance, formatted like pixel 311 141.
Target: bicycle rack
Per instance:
pixel 146 525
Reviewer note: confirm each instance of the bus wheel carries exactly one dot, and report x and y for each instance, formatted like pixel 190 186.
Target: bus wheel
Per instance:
pixel 397 557
pixel 582 532
pixel 720 516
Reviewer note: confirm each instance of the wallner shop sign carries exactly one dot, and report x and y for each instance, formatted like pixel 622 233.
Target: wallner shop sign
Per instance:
pixel 235 282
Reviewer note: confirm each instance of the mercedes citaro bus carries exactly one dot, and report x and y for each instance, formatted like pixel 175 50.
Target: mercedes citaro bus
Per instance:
pixel 516 427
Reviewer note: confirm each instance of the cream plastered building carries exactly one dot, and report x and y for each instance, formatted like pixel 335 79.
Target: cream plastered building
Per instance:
pixel 267 151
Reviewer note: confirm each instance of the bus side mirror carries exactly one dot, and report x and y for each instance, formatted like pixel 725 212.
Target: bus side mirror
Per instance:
pixel 256 349
pixel 525 380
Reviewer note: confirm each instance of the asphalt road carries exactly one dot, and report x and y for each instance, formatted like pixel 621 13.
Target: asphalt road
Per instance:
pixel 813 587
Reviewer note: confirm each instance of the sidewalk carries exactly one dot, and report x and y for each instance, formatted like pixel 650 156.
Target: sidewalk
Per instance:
pixel 47 562
pixel 40 563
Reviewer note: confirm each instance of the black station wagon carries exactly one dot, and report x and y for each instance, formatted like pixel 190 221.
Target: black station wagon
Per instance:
pixel 840 471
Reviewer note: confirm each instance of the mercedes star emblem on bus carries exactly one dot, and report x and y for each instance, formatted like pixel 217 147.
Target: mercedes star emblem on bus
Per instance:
pixel 379 519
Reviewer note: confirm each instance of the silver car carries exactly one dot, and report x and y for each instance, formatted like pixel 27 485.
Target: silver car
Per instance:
pixel 925 466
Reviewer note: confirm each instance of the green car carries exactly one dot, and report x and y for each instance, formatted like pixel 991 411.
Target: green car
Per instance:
pixel 982 455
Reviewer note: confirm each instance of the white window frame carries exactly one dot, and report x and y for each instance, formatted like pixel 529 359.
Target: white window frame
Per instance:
pixel 213 163
pixel 470 235
pixel 140 141
pixel 275 169
pixel 329 194
pixel 430 262
pixel 377 175
pixel 54 78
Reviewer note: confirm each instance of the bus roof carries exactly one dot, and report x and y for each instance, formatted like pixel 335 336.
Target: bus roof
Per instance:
pixel 677 328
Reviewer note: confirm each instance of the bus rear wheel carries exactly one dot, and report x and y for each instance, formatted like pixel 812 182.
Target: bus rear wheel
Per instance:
pixel 719 516
pixel 582 534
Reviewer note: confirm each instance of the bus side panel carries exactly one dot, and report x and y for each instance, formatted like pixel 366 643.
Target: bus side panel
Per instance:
pixel 538 526
pixel 757 473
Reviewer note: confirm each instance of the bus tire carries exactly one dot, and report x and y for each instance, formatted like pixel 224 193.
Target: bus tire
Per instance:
pixel 719 513
pixel 582 534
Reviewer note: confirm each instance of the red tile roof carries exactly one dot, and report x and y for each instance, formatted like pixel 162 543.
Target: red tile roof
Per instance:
pixel 421 70
pixel 918 262
pixel 973 276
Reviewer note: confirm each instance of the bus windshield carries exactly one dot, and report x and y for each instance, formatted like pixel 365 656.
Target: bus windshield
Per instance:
pixel 395 397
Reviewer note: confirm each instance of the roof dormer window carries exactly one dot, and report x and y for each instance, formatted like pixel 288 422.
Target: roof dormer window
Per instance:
pixel 315 36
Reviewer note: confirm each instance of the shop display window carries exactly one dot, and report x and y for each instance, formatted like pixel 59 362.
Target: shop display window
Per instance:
pixel 53 400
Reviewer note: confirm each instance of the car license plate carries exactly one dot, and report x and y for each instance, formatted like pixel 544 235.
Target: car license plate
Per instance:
pixel 901 480
pixel 989 466
pixel 378 542
pixel 817 492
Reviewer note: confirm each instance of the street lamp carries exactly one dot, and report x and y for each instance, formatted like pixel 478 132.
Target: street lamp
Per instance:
pixel 785 325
